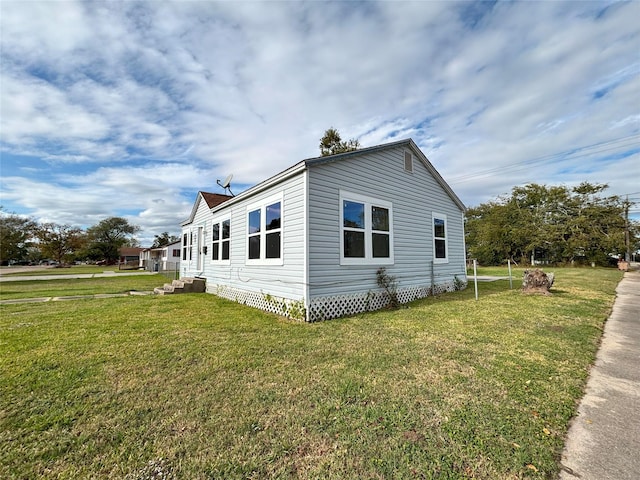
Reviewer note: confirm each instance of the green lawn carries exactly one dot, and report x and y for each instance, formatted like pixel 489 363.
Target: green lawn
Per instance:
pixel 198 387
pixel 72 270
pixel 503 271
pixel 81 286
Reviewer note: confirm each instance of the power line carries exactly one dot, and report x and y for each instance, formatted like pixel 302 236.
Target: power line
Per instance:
pixel 569 154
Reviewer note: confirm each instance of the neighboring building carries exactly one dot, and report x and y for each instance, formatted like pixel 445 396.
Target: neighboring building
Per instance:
pixel 129 257
pixel 309 241
pixel 162 259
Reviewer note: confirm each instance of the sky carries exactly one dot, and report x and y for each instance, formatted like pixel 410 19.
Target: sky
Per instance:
pixel 130 108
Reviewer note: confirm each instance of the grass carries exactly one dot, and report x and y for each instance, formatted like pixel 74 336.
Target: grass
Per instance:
pixel 72 270
pixel 197 387
pixel 516 271
pixel 81 286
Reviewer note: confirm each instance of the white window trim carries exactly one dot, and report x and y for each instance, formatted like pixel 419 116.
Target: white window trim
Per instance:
pixel 441 216
pixel 262 206
pixel 368 231
pixel 218 221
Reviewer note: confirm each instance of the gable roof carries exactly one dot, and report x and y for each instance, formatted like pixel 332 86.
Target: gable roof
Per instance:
pixel 211 199
pixel 407 143
pixel 311 162
pixel 214 199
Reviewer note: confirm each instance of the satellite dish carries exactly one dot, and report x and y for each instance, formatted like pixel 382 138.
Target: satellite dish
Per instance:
pixel 226 184
pixel 227 181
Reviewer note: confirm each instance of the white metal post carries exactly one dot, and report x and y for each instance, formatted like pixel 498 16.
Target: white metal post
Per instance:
pixel 475 276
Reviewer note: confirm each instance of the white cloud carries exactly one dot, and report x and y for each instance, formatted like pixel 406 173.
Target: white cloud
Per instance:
pixel 155 99
pixel 55 28
pixel 36 109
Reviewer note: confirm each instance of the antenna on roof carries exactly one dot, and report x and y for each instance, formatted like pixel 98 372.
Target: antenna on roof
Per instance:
pixel 226 184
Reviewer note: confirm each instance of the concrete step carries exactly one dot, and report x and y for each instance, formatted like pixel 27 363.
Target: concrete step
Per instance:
pixel 184 285
pixel 167 289
pixel 193 285
pixel 174 287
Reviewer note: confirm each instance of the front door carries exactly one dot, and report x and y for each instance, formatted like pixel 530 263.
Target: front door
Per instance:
pixel 200 248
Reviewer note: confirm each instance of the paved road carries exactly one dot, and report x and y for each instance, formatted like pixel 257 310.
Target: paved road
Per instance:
pixel 604 439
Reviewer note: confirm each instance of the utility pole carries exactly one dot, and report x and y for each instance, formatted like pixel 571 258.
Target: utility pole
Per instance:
pixel 627 242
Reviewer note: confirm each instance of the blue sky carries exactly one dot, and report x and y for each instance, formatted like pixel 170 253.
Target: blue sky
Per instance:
pixel 130 108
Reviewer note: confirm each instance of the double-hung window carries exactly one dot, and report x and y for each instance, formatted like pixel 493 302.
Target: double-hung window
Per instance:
pixel 366 235
pixel 221 241
pixel 185 246
pixel 264 232
pixel 440 247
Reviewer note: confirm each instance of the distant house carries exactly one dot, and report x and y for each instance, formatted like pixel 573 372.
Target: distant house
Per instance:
pixel 129 257
pixel 309 241
pixel 161 259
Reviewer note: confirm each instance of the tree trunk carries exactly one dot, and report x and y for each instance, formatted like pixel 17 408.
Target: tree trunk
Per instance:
pixel 536 281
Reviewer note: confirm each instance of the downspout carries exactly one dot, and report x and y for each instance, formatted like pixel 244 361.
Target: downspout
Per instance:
pixel 305 240
pixel 464 248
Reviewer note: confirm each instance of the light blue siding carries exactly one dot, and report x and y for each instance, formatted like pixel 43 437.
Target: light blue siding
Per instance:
pixel 414 196
pixel 283 281
pixel 310 274
pixel 201 219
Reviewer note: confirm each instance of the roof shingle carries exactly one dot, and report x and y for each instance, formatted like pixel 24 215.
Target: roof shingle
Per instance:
pixel 214 199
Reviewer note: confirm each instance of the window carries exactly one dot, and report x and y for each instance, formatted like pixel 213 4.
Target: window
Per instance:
pixel 175 252
pixel 264 232
pixel 408 161
pixel 366 236
pixel 221 240
pixel 353 225
pixel 440 248
pixel 185 246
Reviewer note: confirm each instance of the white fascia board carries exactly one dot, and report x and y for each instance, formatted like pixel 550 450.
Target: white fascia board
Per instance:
pixel 193 210
pixel 428 165
pixel 268 183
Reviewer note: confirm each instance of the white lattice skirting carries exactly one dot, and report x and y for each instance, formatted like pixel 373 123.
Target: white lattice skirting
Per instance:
pixel 325 308
pixel 263 301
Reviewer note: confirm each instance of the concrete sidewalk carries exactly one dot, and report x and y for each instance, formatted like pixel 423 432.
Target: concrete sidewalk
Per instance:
pixel 132 293
pixel 21 278
pixel 603 442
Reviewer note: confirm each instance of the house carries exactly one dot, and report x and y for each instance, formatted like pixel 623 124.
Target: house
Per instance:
pixel 161 259
pixel 129 257
pixel 309 241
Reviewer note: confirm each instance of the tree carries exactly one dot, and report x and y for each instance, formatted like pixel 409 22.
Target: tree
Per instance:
pixel 107 237
pixel 540 213
pixel 59 242
pixel 16 234
pixel 490 236
pixel 331 143
pixel 555 224
pixel 164 239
